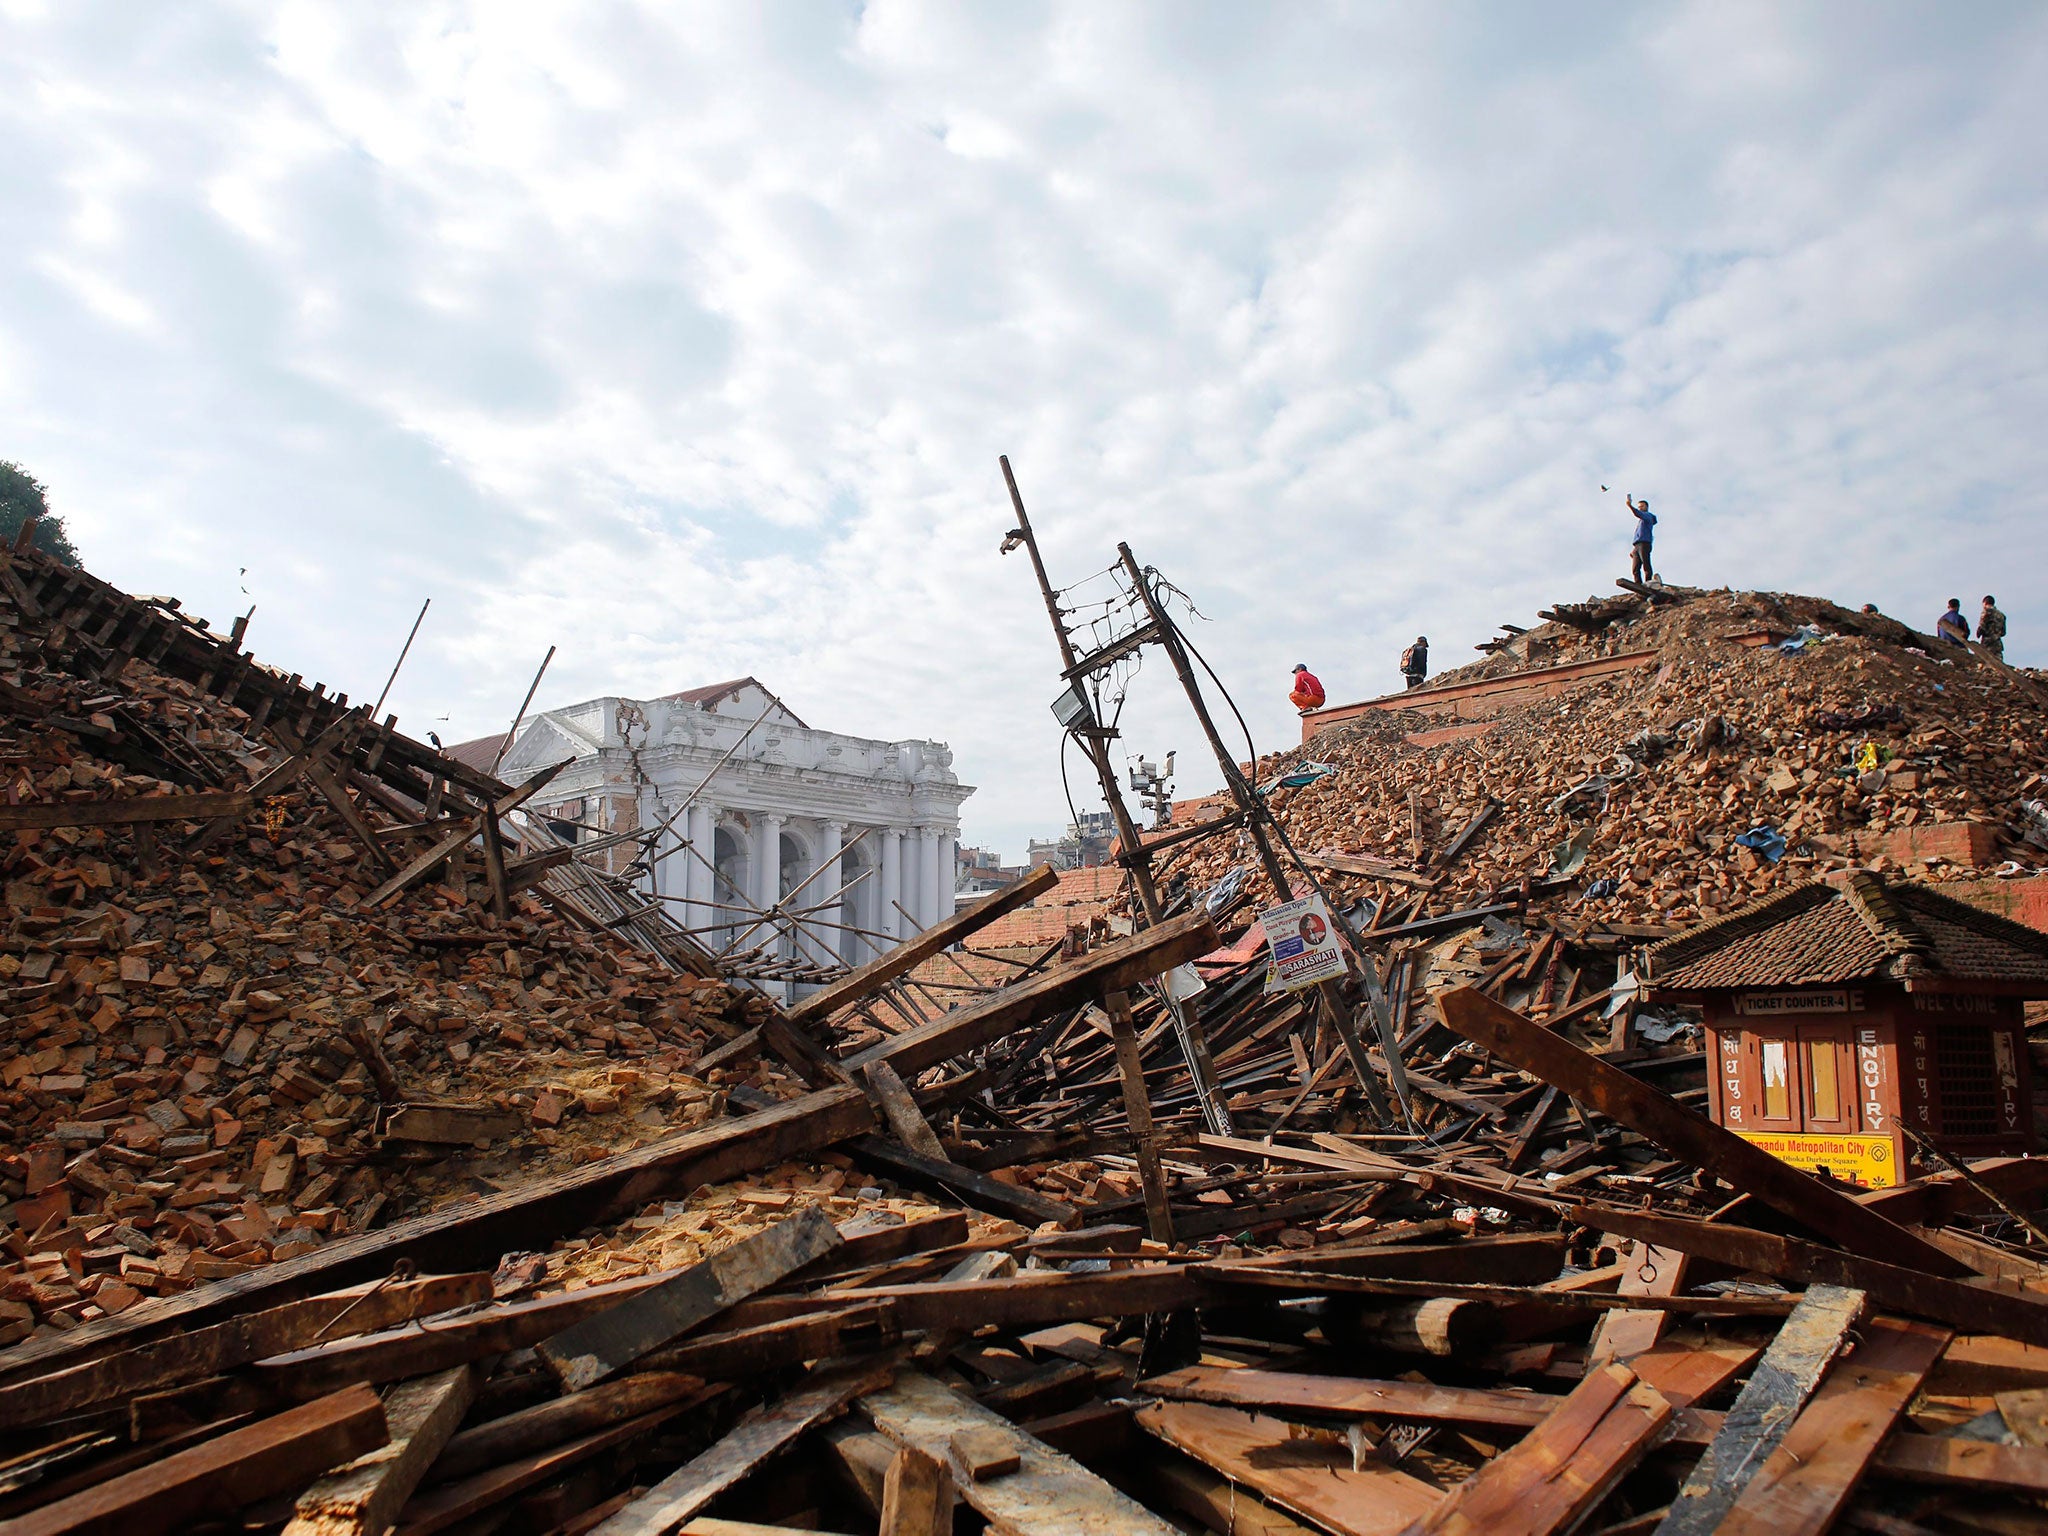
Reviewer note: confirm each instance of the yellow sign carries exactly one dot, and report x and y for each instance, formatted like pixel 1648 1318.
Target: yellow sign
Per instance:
pixel 1870 1161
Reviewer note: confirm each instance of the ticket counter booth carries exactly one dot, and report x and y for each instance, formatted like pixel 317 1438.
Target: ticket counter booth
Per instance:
pixel 1839 1011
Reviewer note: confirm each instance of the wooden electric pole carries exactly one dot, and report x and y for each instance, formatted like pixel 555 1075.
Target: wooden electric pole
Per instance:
pixel 1094 738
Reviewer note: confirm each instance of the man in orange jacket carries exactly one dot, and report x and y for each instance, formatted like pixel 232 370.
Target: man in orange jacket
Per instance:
pixel 1308 693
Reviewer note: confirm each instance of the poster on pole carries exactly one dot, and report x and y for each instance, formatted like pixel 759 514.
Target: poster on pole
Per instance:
pixel 1302 942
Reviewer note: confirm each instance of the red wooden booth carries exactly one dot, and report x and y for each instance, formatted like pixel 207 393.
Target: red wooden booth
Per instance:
pixel 1839 1010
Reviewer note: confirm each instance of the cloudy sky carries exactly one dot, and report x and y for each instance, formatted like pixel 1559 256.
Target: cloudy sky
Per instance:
pixel 686 337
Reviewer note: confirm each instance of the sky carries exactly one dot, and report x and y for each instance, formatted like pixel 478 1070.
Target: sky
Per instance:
pixel 685 338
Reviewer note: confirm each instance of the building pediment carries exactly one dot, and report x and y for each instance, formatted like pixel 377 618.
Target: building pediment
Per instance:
pixel 545 742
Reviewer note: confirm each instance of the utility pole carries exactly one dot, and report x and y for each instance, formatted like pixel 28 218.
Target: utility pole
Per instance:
pixel 1256 816
pixel 1136 858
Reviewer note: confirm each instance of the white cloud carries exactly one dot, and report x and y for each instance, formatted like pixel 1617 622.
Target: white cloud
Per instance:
pixel 685 336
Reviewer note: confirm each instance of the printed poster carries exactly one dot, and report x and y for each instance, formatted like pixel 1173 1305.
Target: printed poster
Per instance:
pixel 1302 942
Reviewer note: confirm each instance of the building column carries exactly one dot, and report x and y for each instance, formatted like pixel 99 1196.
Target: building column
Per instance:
pixel 949 872
pixel 911 921
pixel 930 888
pixel 826 888
pixel 886 919
pixel 767 873
pixel 701 884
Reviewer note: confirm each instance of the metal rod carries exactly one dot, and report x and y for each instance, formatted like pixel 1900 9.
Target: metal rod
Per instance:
pixel 519 719
pixel 377 708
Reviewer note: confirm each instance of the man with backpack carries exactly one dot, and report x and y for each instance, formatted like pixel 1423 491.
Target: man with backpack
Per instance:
pixel 1415 662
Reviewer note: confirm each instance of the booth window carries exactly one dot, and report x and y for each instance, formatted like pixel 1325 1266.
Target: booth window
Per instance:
pixel 1777 1076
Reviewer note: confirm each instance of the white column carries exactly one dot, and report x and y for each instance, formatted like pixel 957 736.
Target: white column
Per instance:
pixel 936 886
pixel 826 888
pixel 949 871
pixel 913 883
pixel 701 883
pixel 886 919
pixel 768 874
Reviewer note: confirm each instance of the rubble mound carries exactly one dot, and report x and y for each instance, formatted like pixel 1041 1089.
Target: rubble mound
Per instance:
pixel 1744 742
pixel 212 1057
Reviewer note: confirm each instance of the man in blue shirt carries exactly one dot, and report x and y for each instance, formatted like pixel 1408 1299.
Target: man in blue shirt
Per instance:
pixel 1639 551
pixel 1952 626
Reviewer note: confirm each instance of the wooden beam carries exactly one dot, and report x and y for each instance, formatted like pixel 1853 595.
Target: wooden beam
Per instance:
pixel 1808 1479
pixel 917 1495
pixel 1034 1300
pixel 1647 1271
pixel 1557 1473
pixel 980 1189
pixel 1691 1137
pixel 218 1476
pixel 364 1497
pixel 477 1231
pixel 1970 1308
pixel 1049 1493
pixel 203 806
pixel 204 1352
pixel 766 1430
pixel 549 1424
pixel 1310 1478
pixel 1342 863
pixel 907 956
pixel 1115 967
pixel 1130 1067
pixel 586 1352
pixel 893 1099
pixel 450 1503
pixel 1763 1412
pixel 426 863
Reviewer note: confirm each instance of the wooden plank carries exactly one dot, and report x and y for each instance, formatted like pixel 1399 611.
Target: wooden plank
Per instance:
pixel 1372 869
pixel 1219 1504
pixel 203 806
pixel 1812 1474
pixel 1353 1397
pixel 217 1476
pixel 1691 1137
pixel 1647 1271
pixel 917 1495
pixel 549 1424
pixel 1033 1300
pixel 1114 967
pixel 766 1430
pixel 427 862
pixel 1763 1412
pixel 450 1503
pixel 907 956
pixel 209 1351
pixel 1311 1478
pixel 1557 1473
pixel 586 1352
pixel 898 1108
pixel 1050 1494
pixel 1975 1307
pixel 477 1231
pixel 364 1497
pixel 1532 1301
pixel 978 1189
pixel 1130 1068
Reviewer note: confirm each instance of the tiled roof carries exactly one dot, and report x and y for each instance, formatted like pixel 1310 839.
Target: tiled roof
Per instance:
pixel 1032 925
pixel 481 754
pixel 1856 927
pixel 711 693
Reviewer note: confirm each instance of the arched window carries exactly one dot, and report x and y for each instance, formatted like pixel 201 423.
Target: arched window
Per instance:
pixel 732 891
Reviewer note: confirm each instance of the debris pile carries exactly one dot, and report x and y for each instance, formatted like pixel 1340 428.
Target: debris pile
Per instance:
pixel 1053 1225
pixel 1757 738
pixel 214 1055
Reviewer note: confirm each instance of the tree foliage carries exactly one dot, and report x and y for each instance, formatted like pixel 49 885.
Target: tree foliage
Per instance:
pixel 23 496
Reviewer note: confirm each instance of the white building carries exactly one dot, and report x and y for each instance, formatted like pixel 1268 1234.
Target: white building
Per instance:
pixel 856 835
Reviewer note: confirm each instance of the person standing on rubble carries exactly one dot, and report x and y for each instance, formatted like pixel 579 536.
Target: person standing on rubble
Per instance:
pixel 1991 628
pixel 1308 693
pixel 1646 529
pixel 1415 662
pixel 1952 626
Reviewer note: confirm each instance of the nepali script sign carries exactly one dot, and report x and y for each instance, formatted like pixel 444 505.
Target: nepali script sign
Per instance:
pixel 1303 944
